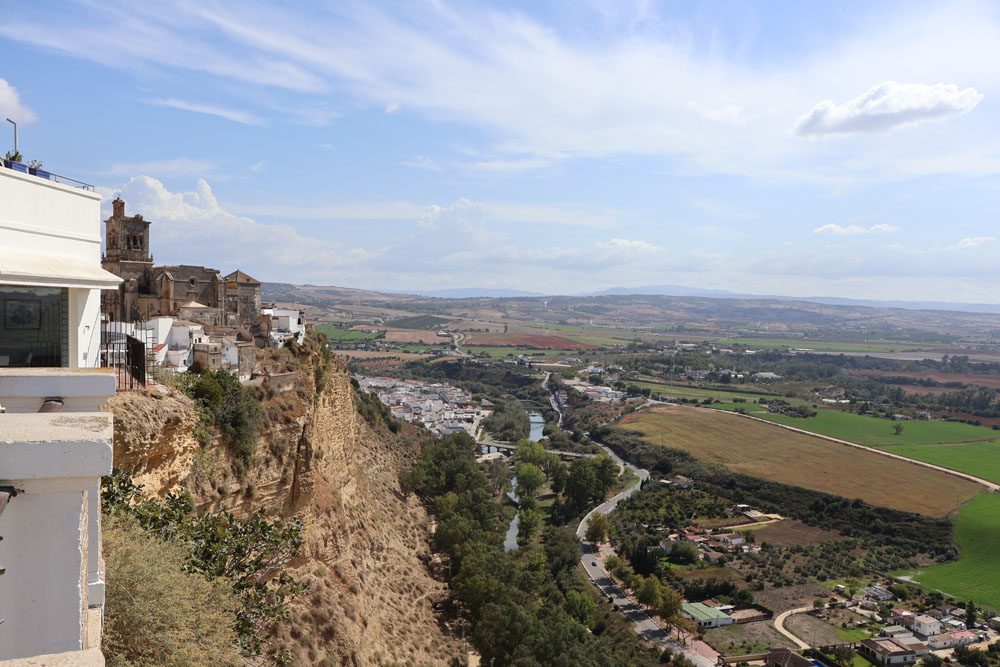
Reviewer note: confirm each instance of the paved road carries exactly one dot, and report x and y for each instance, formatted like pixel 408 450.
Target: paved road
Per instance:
pixel 779 625
pixel 992 486
pixel 643 625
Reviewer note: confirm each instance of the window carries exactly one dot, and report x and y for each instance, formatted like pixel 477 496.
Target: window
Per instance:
pixel 33 326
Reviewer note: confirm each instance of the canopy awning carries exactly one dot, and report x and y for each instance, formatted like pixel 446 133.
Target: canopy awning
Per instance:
pixel 41 269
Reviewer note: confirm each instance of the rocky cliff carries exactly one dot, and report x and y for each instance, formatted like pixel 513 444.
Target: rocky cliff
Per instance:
pixel 370 597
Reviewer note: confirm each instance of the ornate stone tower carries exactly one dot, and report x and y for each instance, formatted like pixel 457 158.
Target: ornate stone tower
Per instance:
pixel 126 255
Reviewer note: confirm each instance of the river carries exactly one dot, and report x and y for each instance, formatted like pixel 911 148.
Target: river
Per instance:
pixel 537 426
pixel 510 539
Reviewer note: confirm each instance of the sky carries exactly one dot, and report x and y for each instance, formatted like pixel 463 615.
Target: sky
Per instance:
pixel 783 147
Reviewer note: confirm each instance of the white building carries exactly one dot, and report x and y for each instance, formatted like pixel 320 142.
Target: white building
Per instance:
pixel 287 324
pixel 926 626
pixel 50 273
pixel 51 462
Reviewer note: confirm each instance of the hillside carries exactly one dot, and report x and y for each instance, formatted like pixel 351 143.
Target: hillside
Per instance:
pixel 370 596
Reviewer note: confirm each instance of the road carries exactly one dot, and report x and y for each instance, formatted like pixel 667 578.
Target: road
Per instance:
pixel 992 486
pixel 779 625
pixel 643 625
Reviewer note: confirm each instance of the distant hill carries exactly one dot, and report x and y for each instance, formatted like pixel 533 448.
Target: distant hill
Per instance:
pixel 474 293
pixel 682 290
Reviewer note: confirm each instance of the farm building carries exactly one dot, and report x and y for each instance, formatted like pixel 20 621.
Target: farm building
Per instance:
pixel 887 652
pixel 705 616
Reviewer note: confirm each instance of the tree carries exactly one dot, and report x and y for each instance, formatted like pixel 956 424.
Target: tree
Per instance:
pixel 529 480
pixel 582 607
pixel 582 485
pixel 669 604
pixel 970 614
pixel 897 428
pixel 606 472
pixel 557 473
pixel 648 590
pixel 685 552
pixel 530 520
pixel 597 528
pixel 819 603
pixel 499 475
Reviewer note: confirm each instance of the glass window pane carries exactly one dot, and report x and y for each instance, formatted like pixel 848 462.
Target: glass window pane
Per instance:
pixel 32 326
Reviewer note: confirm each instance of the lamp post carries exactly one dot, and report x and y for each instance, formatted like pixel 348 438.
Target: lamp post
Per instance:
pixel 15 133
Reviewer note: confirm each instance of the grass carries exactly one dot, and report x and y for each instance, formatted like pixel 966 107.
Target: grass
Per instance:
pixel 697 392
pixel 881 345
pixel 981 459
pixel 335 333
pixel 878 432
pixel 746 638
pixel 963 447
pixel 758 449
pixel 974 575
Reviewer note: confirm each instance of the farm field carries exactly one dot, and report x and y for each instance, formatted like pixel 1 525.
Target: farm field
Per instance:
pixel 966 378
pixel 981 459
pixel 410 336
pixel 335 333
pixel 974 575
pixel 695 392
pixel 878 432
pixel 827 345
pixel 500 352
pixel 789 533
pixel 540 341
pixel 746 639
pixel 757 449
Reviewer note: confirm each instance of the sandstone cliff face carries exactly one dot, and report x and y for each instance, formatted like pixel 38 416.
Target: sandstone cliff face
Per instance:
pixel 370 597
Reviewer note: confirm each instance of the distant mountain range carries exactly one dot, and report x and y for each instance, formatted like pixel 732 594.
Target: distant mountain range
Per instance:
pixel 683 290
pixel 475 292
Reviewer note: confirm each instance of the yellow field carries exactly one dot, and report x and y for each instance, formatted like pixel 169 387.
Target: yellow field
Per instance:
pixel 774 453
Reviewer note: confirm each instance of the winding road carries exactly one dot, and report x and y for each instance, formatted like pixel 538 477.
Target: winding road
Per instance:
pixel 644 626
pixel 779 625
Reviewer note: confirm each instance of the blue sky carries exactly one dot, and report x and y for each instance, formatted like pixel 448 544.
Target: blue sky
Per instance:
pixel 802 148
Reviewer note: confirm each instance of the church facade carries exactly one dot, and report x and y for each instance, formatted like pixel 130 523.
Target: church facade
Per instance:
pixel 149 291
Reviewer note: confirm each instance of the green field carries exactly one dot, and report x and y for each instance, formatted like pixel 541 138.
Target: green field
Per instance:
pixel 875 431
pixel 974 575
pixel 695 392
pixel 981 459
pixel 335 333
pixel 970 449
pixel 880 345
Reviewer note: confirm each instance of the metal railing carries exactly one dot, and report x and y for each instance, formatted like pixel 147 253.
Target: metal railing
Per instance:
pixel 127 355
pixel 47 175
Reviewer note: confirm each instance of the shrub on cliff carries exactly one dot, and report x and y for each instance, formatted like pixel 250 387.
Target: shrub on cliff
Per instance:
pixel 157 613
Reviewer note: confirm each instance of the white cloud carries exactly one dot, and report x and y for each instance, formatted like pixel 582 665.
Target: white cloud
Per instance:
pixel 181 166
pixel 234 115
pixel 508 166
pixel 392 107
pixel 888 106
pixel 193 228
pixel 855 229
pixel 258 167
pixel 11 105
pixel 538 88
pixel 974 242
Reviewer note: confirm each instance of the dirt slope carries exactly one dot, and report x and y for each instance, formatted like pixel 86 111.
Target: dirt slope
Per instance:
pixel 370 597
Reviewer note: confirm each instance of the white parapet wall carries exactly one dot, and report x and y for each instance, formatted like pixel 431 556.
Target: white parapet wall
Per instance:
pixel 81 390
pixel 50 530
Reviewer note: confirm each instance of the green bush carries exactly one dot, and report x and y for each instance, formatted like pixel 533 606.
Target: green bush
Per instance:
pixel 157 613
pixel 225 404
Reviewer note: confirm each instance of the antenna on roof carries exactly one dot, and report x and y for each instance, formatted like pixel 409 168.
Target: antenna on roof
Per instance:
pixel 15 133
